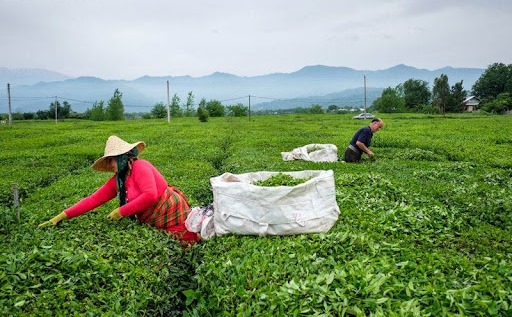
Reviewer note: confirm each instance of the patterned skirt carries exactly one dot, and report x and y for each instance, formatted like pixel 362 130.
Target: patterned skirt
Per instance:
pixel 169 214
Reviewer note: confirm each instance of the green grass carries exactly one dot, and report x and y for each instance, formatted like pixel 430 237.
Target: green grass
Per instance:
pixel 425 228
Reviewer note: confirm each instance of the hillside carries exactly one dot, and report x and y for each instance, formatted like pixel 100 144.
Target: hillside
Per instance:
pixel 29 76
pixel 142 93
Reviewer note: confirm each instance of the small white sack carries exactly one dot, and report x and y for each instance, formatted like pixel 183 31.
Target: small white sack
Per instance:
pixel 207 227
pixel 200 220
pixel 247 209
pixel 194 219
pixel 313 152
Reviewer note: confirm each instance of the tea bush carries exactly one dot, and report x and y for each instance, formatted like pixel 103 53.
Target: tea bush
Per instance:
pixel 424 229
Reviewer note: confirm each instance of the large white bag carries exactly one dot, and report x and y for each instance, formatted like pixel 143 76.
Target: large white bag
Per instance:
pixel 313 152
pixel 243 208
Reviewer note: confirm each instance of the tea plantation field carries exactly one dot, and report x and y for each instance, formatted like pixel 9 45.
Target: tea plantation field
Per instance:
pixel 425 229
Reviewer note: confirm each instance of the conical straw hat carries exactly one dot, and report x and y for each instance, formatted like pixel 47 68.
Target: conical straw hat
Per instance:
pixel 115 146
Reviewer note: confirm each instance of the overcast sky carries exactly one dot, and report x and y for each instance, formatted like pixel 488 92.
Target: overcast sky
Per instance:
pixel 126 39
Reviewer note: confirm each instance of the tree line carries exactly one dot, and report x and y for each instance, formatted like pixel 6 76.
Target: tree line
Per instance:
pixel 493 89
pixel 114 110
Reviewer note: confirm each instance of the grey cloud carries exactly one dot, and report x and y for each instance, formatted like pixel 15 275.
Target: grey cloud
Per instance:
pixel 125 39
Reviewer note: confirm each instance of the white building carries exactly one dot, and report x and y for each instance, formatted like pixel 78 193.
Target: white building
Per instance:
pixel 470 103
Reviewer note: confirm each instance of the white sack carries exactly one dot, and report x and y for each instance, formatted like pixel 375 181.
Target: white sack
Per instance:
pixel 313 152
pixel 207 228
pixel 200 220
pixel 194 219
pixel 243 208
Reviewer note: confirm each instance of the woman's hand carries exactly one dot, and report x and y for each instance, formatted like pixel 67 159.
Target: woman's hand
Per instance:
pixel 115 215
pixel 54 221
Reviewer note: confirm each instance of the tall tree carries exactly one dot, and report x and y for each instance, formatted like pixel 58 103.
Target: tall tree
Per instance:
pixel 333 108
pixel 500 104
pixel 202 113
pixel 159 110
pixel 316 109
pixel 115 108
pixel 63 110
pixel 496 79
pixel 457 96
pixel 389 101
pixel 175 106
pixel 441 93
pixel 238 110
pixel 215 108
pixel 51 110
pixel 43 115
pixel 416 94
pixel 189 105
pixel 66 109
pixel 97 112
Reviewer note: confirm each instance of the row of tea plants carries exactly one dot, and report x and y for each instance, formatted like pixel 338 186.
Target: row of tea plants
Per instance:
pixel 424 229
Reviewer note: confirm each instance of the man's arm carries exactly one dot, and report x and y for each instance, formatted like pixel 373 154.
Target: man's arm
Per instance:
pixel 363 148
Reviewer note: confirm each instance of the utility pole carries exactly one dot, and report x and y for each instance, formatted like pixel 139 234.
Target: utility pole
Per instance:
pixel 168 105
pixel 364 93
pixel 249 107
pixel 9 98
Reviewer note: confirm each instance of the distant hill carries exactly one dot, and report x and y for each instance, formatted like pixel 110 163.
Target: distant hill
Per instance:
pixel 319 84
pixel 350 97
pixel 28 76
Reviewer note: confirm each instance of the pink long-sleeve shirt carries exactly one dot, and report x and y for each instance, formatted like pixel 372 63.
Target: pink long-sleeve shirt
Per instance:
pixel 144 186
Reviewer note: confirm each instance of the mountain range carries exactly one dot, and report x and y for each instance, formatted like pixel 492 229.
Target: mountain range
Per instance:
pixel 36 89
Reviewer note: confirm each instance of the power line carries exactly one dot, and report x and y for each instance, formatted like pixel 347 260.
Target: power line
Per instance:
pixel 234 99
pixel 27 97
pixel 75 100
pixel 264 104
pixel 268 98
